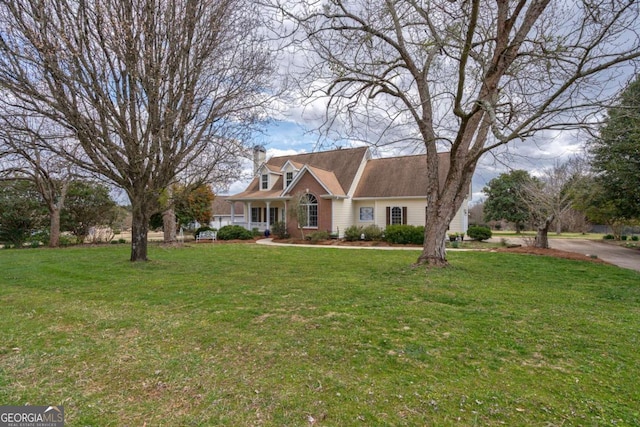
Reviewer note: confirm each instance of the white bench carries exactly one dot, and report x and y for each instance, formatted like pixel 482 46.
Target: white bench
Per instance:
pixel 206 235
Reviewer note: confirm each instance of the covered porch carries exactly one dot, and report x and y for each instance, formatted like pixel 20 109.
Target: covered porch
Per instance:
pixel 259 214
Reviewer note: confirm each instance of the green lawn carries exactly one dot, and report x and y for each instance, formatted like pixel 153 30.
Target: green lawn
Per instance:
pixel 244 335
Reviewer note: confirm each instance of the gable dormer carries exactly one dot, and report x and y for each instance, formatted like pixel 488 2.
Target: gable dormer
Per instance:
pixel 289 171
pixel 267 176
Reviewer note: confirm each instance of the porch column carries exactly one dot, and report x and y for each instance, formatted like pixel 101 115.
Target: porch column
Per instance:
pixel 248 216
pixel 268 215
pixel 233 212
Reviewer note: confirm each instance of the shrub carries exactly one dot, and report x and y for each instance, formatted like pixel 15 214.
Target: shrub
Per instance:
pixel 635 238
pixel 372 232
pixel 353 233
pixel 205 228
pixel 39 237
pixel 318 236
pixel 608 237
pixel 479 233
pixel 66 240
pixel 232 232
pixel 404 234
pixel 279 229
pixel 623 237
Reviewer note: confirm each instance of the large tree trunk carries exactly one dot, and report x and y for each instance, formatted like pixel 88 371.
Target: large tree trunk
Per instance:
pixel 542 238
pixel 169 225
pixel 139 229
pixel 434 251
pixel 443 201
pixel 54 228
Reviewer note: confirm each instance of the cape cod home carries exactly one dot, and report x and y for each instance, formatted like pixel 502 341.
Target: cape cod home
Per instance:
pixel 341 188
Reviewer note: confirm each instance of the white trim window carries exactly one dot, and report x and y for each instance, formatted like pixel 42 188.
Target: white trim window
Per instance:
pixel 396 215
pixel 264 182
pixel 289 178
pixel 310 203
pixel 256 214
pixel 366 213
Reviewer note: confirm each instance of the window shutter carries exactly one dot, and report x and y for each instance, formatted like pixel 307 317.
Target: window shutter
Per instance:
pixel 404 215
pixel 388 215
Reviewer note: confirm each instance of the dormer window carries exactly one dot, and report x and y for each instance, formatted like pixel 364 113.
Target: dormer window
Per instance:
pixel 289 178
pixel 265 182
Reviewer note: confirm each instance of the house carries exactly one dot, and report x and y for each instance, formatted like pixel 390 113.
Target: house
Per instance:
pixel 341 188
pixel 221 212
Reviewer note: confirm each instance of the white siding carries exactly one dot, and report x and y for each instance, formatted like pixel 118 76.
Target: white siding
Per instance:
pixel 415 213
pixel 342 215
pixel 459 221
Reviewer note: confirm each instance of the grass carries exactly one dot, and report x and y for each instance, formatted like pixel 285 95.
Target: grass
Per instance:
pixel 250 335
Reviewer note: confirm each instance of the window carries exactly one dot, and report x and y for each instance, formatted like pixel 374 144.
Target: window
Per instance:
pixel 256 214
pixel 273 215
pixel 265 182
pixel 310 203
pixel 366 214
pixel 289 178
pixel 396 215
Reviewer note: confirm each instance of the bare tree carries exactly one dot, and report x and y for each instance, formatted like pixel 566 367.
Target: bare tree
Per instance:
pixel 298 209
pixel 23 157
pixel 549 197
pixel 464 76
pixel 152 90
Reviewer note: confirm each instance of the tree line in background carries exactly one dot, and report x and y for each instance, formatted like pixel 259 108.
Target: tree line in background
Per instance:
pixel 601 188
pixel 87 215
pixel 88 212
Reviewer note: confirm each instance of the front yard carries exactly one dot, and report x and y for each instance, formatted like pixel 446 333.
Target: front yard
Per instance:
pixel 242 334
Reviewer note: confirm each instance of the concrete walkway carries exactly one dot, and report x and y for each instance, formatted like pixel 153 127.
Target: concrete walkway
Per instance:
pixel 616 255
pixel 270 242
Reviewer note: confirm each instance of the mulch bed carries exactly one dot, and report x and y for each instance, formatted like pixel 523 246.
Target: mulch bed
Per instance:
pixel 550 252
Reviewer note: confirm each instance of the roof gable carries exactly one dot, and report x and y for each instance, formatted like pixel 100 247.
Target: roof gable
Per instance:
pixel 291 165
pixel 344 163
pixel 326 179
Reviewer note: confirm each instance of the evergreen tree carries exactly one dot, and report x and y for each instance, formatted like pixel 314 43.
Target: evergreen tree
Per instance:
pixel 505 198
pixel 616 154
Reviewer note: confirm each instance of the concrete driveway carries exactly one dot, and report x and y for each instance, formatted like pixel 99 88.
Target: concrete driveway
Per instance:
pixel 616 255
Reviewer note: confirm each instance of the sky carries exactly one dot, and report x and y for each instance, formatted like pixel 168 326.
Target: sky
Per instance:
pixel 290 129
